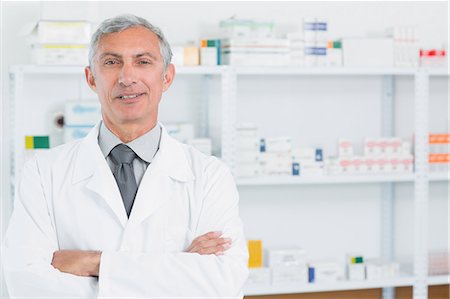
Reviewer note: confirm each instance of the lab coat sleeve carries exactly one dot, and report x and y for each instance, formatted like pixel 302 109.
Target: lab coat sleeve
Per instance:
pixel 181 274
pixel 29 245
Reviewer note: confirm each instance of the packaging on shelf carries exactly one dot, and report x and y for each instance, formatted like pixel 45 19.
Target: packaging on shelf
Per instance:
pixel 202 144
pixel 247 151
pixel 191 56
pixel 255 52
pixel 180 131
pixel 276 163
pixel 345 148
pixel 177 55
pixel 376 270
pixel 433 58
pixel 289 274
pixel 239 28
pixel 356 270
pixel 368 52
pixel 284 256
pixel 60 54
pixel 323 272
pixel 388 146
pixel 315 29
pixel 406 46
pixel 69 32
pixel 439 152
pixel 60 42
pixel 278 144
pixel 439 262
pixel 210 52
pixel 255 250
pixel 82 113
pixel 260 276
pixel 334 54
pixel 79 118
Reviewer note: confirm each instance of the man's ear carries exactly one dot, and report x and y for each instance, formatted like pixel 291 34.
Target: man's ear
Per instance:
pixel 169 76
pixel 90 78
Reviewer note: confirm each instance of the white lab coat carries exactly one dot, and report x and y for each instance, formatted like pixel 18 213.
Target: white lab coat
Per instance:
pixel 67 198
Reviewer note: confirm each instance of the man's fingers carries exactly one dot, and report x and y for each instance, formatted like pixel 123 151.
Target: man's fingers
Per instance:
pixel 204 237
pixel 211 246
pixel 218 250
pixel 207 236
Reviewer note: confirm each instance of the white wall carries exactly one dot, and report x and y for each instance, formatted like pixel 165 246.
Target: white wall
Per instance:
pixel 327 221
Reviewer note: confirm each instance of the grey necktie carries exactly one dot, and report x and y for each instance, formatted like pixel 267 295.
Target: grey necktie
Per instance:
pixel 123 157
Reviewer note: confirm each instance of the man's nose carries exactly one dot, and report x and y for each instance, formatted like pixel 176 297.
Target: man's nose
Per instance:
pixel 127 75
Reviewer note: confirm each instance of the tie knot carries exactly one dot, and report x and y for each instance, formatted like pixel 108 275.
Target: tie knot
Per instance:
pixel 122 154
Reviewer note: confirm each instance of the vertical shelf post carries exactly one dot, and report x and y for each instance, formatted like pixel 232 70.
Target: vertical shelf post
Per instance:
pixel 388 192
pixel 421 115
pixel 203 107
pixel 228 123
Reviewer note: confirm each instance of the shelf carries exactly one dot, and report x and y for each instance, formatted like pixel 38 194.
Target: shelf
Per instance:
pixel 291 288
pixel 336 71
pixel 336 179
pixel 275 70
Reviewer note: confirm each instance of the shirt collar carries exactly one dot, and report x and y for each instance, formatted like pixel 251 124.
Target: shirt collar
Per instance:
pixel 144 146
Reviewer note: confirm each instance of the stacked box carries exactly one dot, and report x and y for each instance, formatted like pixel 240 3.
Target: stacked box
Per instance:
pixel 356 270
pixel 288 265
pixel 260 276
pixel 61 42
pixel 433 58
pixel 255 251
pixel 406 46
pixel 79 118
pixel 210 52
pixel 376 270
pixel 247 151
pixel 238 28
pixel 255 52
pixel 381 155
pixel 276 156
pixel 439 263
pixel 315 32
pixel 323 272
pixel 439 155
pixel 307 162
pixel 188 55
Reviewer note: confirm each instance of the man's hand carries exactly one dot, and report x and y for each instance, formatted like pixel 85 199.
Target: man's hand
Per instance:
pixel 209 243
pixel 77 262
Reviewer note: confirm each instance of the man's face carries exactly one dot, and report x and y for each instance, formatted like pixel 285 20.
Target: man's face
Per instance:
pixel 127 76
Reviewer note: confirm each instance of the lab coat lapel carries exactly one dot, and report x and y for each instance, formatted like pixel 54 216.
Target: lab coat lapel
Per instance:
pixel 91 164
pixel 169 166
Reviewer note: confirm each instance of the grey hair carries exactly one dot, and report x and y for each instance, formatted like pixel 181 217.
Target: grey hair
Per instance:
pixel 122 22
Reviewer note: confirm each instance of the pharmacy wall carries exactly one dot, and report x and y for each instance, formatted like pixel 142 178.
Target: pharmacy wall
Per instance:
pixel 328 221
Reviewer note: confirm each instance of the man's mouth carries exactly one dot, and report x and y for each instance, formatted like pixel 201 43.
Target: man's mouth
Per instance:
pixel 130 96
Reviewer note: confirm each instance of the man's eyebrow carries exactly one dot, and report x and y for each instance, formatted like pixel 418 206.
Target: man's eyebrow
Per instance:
pixel 145 54
pixel 103 55
pixel 110 54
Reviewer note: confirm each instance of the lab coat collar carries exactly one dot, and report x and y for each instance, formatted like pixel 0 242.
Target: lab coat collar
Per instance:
pixel 170 158
pixel 170 162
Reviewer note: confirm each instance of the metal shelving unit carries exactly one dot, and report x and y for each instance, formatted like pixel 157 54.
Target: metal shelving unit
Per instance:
pixel 229 77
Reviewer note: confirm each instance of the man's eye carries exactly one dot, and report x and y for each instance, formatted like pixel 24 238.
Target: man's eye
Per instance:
pixel 144 62
pixel 110 62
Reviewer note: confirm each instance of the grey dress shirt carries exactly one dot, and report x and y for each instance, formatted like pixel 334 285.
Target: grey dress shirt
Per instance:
pixel 144 146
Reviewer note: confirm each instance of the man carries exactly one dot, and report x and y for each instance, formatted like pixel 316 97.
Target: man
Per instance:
pixel 127 211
